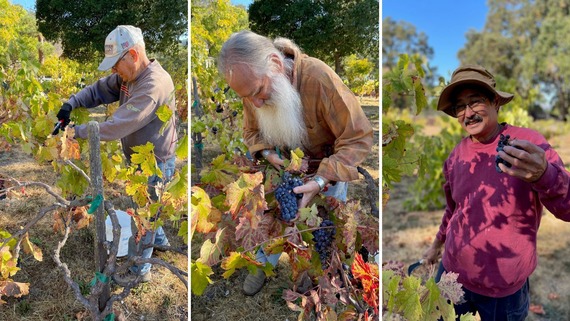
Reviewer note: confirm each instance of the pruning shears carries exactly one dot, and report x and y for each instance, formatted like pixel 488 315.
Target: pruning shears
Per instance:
pixel 59 125
pixel 414 266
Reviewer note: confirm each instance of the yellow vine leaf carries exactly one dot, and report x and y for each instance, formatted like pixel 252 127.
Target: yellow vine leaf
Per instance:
pixel 29 247
pixel 204 216
pixel 8 265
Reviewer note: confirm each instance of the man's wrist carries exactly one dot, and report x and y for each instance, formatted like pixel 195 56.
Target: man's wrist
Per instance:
pixel 265 153
pixel 320 181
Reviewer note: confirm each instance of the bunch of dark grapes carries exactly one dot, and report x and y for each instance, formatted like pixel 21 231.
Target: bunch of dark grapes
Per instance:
pixel 503 141
pixel 286 198
pixel 323 238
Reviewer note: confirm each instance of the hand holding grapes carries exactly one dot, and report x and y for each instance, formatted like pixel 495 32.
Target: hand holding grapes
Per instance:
pixel 309 190
pixel 528 160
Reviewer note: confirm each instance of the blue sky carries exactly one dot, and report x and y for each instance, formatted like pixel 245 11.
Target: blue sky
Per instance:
pixel 244 2
pixel 445 22
pixel 27 4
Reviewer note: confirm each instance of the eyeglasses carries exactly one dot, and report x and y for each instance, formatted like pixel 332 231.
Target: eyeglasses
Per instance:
pixel 114 68
pixel 474 102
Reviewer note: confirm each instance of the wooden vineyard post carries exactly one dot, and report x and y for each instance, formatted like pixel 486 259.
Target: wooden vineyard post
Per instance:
pixel 97 192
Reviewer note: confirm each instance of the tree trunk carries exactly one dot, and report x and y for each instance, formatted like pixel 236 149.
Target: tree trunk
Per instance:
pixel 197 137
pixel 97 185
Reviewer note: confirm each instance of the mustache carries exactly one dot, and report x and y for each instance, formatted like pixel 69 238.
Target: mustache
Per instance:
pixel 473 118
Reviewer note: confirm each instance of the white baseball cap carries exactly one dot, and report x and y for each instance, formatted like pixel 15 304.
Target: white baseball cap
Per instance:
pixel 118 42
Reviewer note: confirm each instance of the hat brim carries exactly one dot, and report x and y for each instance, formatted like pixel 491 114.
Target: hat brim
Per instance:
pixel 109 62
pixel 445 100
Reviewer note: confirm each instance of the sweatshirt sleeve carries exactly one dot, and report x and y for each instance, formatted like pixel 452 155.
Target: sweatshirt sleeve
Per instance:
pixel 104 91
pixel 353 132
pixel 137 112
pixel 553 186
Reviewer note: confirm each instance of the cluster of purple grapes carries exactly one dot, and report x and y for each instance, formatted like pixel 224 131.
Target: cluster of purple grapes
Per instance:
pixel 503 141
pixel 286 198
pixel 323 238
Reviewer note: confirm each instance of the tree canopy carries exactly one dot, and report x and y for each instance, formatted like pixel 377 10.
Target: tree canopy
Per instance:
pixel 18 35
pixel 329 30
pixel 399 37
pixel 82 26
pixel 527 41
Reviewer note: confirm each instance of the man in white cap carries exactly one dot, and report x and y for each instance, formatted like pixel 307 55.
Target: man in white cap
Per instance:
pixel 141 86
pixel 496 189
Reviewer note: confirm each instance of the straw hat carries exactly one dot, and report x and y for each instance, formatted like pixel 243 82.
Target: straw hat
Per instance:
pixel 465 76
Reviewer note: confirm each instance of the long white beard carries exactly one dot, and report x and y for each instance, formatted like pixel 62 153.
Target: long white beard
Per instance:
pixel 280 119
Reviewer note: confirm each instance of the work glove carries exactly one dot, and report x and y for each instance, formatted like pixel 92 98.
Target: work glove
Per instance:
pixel 62 118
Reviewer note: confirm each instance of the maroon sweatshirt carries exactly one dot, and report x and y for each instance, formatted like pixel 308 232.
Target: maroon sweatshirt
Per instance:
pixel 491 220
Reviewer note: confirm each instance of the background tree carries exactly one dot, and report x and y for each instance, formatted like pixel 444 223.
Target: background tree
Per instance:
pixel 358 75
pixel 329 30
pixel 400 37
pixel 82 26
pixel 213 21
pixel 526 41
pixel 18 35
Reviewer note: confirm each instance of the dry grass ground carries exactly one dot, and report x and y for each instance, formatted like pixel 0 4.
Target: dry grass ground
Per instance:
pixel 224 300
pixel 50 298
pixel 406 235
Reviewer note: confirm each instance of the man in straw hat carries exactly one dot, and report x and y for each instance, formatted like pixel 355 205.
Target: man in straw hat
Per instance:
pixel 490 224
pixel 141 86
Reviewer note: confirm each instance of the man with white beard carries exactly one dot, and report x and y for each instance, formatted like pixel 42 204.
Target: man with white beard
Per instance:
pixel 294 101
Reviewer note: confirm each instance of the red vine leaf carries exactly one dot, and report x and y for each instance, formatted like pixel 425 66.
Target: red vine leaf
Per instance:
pixel 369 276
pixel 299 259
pixel 347 213
pixel 141 223
pixel 328 290
pixel 253 230
pixel 246 196
pixel 294 236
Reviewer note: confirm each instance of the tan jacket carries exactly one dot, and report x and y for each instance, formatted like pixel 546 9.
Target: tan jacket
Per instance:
pixel 338 130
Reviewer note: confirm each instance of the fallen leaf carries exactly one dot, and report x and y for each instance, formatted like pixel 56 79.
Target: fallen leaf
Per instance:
pixel 553 296
pixel 537 309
